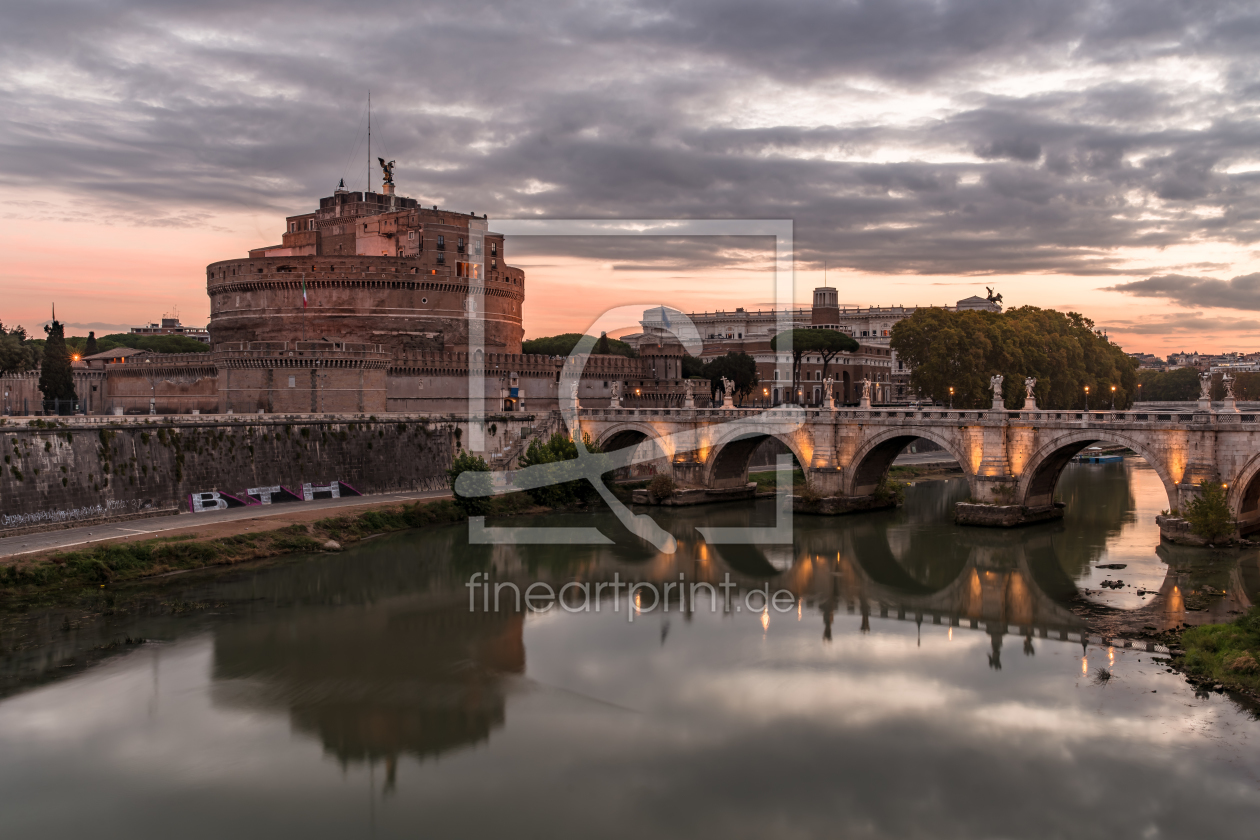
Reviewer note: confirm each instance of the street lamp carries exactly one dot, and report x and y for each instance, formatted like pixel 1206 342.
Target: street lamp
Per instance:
pixel 951 397
pixel 1087 398
pixel 1113 397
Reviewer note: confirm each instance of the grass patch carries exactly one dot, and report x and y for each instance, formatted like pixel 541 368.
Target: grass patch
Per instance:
pixel 769 480
pixel 1226 653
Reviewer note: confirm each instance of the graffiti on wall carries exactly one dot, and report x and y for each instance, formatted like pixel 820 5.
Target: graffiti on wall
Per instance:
pixel 219 500
pixel 112 507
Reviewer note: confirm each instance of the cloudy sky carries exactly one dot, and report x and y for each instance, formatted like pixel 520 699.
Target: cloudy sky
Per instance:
pixel 1098 156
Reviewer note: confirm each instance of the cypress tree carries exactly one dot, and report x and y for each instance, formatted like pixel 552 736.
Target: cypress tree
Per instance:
pixel 56 380
pixel 602 347
pixel 89 349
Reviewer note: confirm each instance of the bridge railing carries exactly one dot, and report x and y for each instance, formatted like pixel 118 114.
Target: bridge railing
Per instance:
pixel 930 415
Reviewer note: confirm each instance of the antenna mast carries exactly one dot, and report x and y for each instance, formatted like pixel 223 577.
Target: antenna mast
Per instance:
pixel 368 188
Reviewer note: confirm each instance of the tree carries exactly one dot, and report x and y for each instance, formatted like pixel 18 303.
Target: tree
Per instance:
pixel 562 345
pixel 556 493
pixel 56 377
pixel 464 462
pixel 692 367
pixel 826 344
pixel 89 348
pixel 1062 351
pixel 1176 385
pixel 16 353
pixel 740 368
pixel 602 347
pixel 1208 513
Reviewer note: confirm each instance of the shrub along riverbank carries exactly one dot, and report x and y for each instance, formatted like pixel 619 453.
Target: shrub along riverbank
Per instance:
pixel 1225 654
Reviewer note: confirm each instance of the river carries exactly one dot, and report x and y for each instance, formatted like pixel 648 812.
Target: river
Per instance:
pixel 914 680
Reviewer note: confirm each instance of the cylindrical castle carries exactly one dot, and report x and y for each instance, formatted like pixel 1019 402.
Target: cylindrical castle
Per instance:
pixel 374 269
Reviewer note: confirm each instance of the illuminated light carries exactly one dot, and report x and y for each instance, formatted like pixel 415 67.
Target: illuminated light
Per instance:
pixel 765 619
pixel 638 598
pixel 1111 656
pixel 951 634
pixel 1084 665
pixel 798 610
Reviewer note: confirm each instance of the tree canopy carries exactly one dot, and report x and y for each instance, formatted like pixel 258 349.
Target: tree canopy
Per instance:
pixel 1175 385
pixel 17 353
pixel 559 447
pixel 740 368
pixel 826 344
pixel 152 343
pixel 56 379
pixel 1062 351
pixel 562 345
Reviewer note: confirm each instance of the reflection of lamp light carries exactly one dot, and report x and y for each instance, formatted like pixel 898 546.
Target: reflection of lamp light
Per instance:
pixel 765 618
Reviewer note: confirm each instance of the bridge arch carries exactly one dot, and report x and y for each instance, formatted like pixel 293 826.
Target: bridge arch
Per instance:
pixel 873 458
pixel 1041 472
pixel 731 452
pixel 1244 497
pixel 628 436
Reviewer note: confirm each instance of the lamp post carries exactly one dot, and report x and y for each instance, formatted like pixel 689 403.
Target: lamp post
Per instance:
pixel 1086 398
pixel 1113 397
pixel 951 397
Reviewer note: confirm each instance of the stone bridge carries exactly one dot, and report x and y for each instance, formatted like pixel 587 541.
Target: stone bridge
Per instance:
pixel 1011 459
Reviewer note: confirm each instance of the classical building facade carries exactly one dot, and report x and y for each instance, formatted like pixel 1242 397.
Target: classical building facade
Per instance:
pixel 750 331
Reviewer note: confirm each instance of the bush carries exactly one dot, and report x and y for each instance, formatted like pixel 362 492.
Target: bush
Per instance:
pixel 1208 514
pixel 1226 652
pixel 546 457
pixel 464 462
pixel 889 492
pixel 662 487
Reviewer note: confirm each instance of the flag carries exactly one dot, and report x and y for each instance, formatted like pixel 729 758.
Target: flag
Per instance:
pixel 304 294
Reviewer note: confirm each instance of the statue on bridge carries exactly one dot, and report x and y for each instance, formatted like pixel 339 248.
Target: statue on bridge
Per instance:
pixel 1205 385
pixel 689 394
pixel 573 391
pixel 866 392
pixel 728 393
pixel 616 394
pixel 1228 382
pixel 829 396
pixel 1030 398
pixel 995 382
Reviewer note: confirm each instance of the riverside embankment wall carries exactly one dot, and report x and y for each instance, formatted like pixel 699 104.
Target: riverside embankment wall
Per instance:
pixel 78 470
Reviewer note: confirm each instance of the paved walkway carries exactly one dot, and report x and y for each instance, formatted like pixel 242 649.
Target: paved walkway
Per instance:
pixel 144 528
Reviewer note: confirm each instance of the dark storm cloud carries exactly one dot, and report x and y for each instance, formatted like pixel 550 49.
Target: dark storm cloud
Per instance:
pixel 1236 293
pixel 164 112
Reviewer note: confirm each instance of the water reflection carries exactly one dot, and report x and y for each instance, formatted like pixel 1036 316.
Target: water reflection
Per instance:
pixel 927 680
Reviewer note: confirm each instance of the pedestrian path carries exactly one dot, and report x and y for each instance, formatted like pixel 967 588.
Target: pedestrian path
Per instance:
pixel 143 528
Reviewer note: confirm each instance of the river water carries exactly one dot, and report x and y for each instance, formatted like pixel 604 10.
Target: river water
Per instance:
pixel 915 680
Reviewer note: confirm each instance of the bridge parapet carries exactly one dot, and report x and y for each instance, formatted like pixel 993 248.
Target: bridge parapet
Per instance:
pixel 1009 458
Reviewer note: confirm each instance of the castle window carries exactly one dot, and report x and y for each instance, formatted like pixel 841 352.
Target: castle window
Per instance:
pixel 461 245
pixel 441 242
pixel 310 224
pixel 292 227
pixel 494 247
pixel 494 264
pixel 411 234
pixel 441 258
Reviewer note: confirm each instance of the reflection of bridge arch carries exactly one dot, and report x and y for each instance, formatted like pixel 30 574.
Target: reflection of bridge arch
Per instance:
pixel 872 460
pixel 1041 473
pixel 732 449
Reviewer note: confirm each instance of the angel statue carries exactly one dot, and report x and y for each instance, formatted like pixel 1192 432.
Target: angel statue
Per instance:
pixel 1029 384
pixel 689 389
pixel 866 389
pixel 573 390
pixel 1205 385
pixel 995 382
pixel 1228 382
pixel 829 385
pixel 616 390
pixel 387 171
pixel 728 387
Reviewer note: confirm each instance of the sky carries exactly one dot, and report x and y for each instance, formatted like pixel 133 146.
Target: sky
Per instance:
pixel 1102 157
